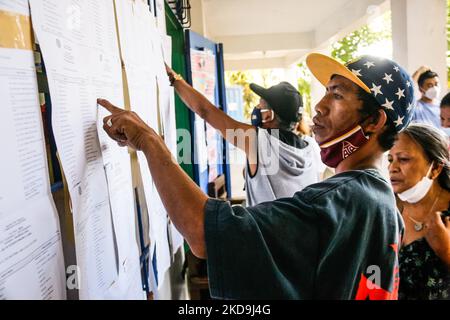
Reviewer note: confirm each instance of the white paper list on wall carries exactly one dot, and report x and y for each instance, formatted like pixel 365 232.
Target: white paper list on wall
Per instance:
pixel 31 257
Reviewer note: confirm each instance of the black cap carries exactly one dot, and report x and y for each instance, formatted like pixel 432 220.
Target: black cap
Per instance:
pixel 283 99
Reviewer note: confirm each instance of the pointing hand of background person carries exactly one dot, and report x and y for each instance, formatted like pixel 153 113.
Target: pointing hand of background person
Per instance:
pixel 125 127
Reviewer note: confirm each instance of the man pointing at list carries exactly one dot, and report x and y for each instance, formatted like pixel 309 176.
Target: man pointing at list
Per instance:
pixel 328 240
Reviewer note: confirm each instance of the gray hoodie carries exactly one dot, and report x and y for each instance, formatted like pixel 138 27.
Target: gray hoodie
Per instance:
pixel 282 169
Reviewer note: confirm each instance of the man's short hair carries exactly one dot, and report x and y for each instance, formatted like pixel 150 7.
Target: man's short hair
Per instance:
pixel 425 76
pixel 445 102
pixel 370 108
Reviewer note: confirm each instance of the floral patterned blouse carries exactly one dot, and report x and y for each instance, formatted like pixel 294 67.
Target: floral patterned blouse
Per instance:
pixel 423 275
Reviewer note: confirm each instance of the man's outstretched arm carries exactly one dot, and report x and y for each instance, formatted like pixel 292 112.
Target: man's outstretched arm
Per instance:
pixel 182 198
pixel 219 120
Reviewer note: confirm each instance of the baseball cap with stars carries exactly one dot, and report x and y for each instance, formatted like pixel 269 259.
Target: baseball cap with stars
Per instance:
pixel 384 79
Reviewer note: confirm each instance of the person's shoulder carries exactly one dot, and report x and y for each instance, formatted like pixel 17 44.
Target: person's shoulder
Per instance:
pixel 311 143
pixel 434 105
pixel 437 105
pixel 354 181
pixel 263 133
pixel 349 193
pixel 419 103
pixel 359 177
pixel 309 139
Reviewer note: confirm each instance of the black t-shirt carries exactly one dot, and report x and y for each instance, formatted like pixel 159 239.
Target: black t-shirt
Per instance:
pixel 337 239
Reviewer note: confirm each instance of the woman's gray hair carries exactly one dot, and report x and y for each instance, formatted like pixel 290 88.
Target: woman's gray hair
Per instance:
pixel 435 146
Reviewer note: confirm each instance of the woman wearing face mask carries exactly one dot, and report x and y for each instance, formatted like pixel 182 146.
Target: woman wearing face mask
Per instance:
pixel 427 108
pixel 420 176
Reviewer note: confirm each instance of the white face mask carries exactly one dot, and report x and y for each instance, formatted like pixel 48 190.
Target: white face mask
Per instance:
pixel 433 92
pixel 419 191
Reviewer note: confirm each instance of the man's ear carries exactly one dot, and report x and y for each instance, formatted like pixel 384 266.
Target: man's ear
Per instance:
pixel 376 124
pixel 269 116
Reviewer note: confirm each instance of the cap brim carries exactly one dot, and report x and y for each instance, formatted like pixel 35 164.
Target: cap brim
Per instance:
pixel 324 67
pixel 260 91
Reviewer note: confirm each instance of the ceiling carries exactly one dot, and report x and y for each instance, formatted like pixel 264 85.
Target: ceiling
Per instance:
pixel 277 33
pixel 232 17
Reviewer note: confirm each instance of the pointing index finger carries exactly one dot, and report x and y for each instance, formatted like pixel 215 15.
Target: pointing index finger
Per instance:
pixel 109 106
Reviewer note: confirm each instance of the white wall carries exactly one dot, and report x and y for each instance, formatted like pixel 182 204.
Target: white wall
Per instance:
pixel 419 34
pixel 198 23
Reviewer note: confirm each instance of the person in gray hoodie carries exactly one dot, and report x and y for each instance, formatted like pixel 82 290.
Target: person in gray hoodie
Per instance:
pixel 286 162
pixel 279 162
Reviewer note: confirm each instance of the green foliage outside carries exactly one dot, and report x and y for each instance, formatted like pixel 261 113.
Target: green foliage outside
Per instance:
pixel 343 50
pixel 304 86
pixel 347 48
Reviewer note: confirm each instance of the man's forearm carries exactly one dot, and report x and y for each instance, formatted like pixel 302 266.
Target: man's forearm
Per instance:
pixel 195 100
pixel 182 198
pixel 230 129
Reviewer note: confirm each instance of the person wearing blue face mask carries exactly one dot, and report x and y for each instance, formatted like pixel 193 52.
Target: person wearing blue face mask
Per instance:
pixel 420 176
pixel 297 158
pixel 279 162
